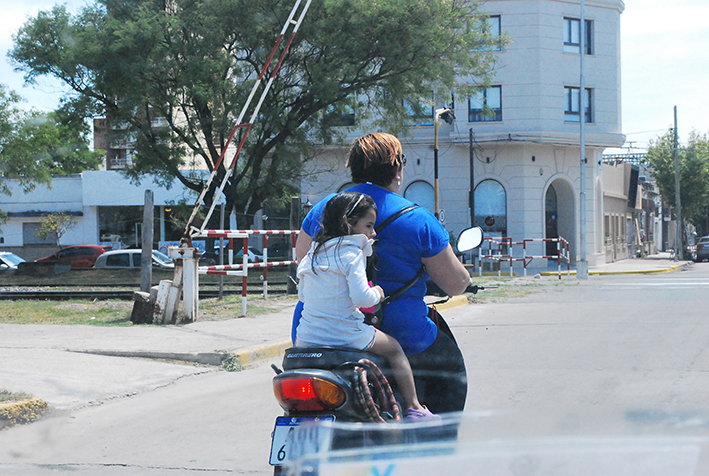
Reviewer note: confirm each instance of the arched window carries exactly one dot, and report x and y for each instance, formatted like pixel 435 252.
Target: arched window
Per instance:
pixel 491 208
pixel 421 193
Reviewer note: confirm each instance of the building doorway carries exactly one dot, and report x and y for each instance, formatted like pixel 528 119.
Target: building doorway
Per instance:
pixel 560 216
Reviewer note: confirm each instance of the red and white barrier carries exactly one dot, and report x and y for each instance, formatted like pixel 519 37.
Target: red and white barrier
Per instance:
pixel 242 269
pixel 502 251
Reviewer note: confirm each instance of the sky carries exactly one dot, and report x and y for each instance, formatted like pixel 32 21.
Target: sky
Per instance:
pixel 664 63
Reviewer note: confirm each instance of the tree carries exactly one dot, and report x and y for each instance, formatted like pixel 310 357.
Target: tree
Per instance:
pixel 693 174
pixel 194 62
pixel 56 225
pixel 34 145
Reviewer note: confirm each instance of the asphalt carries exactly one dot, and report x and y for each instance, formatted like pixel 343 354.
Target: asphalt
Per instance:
pixel 70 367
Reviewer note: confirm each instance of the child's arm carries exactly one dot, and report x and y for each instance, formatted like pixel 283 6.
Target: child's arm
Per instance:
pixel 360 292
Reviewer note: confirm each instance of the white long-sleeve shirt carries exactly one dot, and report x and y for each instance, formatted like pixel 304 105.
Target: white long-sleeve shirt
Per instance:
pixel 332 292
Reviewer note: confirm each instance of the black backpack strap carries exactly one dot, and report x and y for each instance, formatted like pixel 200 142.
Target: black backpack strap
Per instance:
pixel 377 318
pixel 404 288
pixel 394 216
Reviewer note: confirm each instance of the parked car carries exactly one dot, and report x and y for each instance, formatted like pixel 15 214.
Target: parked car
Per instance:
pixel 254 255
pixel 79 256
pixel 702 252
pixel 9 261
pixel 211 259
pixel 125 259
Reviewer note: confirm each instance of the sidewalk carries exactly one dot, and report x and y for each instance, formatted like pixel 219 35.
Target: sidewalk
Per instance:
pixel 71 367
pixel 652 264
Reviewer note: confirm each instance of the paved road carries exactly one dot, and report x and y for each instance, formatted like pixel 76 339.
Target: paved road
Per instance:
pixel 611 355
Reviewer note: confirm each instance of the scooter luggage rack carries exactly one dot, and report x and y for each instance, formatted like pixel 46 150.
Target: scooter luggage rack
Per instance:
pixel 501 251
pixel 242 269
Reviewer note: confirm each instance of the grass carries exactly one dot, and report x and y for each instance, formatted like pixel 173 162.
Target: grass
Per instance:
pixel 101 313
pixel 117 313
pixel 126 278
pixel 8 397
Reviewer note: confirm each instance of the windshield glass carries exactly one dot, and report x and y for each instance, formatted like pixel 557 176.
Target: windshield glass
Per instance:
pixel 161 257
pixel 13 258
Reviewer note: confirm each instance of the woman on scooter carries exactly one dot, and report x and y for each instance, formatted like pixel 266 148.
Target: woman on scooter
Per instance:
pixel 333 285
pixel 416 238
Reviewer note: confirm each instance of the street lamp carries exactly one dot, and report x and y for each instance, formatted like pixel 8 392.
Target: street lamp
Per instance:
pixel 447 115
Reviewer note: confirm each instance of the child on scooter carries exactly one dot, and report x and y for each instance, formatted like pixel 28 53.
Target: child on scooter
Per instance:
pixel 333 285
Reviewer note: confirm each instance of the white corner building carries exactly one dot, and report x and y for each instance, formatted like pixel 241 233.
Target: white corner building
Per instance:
pixel 523 152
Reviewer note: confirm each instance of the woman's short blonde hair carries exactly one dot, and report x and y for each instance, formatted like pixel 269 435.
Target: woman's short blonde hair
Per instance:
pixel 375 158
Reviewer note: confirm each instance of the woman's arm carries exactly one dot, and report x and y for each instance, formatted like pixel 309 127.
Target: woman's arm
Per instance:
pixel 447 272
pixel 302 245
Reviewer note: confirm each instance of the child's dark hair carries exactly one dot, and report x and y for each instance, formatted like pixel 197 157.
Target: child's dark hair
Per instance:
pixel 341 214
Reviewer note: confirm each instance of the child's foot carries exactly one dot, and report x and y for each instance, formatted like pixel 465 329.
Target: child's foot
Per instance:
pixel 419 415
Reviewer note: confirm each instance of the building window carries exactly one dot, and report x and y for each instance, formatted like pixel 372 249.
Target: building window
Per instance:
pixel 491 208
pixel 485 106
pixel 29 235
pixel 421 193
pixel 420 113
pixel 572 104
pixel 342 115
pixel 493 25
pixel 572 38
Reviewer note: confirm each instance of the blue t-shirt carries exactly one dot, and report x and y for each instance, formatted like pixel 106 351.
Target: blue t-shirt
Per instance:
pixel 402 244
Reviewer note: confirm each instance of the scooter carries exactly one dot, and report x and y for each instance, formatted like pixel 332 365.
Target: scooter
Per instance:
pixel 323 384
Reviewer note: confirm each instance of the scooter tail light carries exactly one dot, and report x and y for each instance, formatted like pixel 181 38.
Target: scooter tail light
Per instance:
pixel 308 393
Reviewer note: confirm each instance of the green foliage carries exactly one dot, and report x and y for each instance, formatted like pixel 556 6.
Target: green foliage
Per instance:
pixel 693 174
pixel 34 146
pixel 193 63
pixel 230 362
pixel 55 225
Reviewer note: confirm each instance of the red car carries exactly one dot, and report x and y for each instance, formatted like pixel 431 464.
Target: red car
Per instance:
pixel 79 256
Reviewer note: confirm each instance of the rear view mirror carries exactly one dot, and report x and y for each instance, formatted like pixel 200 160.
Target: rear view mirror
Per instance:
pixel 470 238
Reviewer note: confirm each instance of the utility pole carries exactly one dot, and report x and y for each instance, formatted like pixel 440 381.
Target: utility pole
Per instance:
pixel 146 256
pixel 582 264
pixel 679 235
pixel 471 198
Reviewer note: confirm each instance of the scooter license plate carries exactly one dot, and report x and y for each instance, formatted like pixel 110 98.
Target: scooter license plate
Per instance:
pixel 285 445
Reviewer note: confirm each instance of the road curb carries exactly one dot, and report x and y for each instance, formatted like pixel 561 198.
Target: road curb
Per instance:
pixel 206 358
pixel 627 271
pixel 261 352
pixel 23 411
pixel 243 357
pixel 451 303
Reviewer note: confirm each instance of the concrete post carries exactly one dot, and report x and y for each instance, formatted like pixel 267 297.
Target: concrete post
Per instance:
pixel 292 288
pixel 146 257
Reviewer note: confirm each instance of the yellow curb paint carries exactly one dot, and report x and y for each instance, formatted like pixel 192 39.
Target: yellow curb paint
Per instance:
pixel 262 352
pixel 604 273
pixel 452 303
pixel 24 411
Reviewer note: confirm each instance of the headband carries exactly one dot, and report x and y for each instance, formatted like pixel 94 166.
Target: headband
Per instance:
pixel 361 196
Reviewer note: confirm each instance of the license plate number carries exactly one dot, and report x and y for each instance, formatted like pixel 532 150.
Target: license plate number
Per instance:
pixel 288 443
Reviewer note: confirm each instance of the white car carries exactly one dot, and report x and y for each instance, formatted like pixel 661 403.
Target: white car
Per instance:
pixel 127 259
pixel 9 260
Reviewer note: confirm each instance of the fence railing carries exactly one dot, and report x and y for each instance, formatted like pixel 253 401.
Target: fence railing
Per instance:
pixel 506 251
pixel 242 269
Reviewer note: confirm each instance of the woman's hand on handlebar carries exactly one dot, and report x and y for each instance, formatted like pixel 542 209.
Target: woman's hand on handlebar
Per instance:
pixel 447 272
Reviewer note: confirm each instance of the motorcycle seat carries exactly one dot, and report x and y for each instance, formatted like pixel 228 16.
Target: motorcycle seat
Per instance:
pixel 326 358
